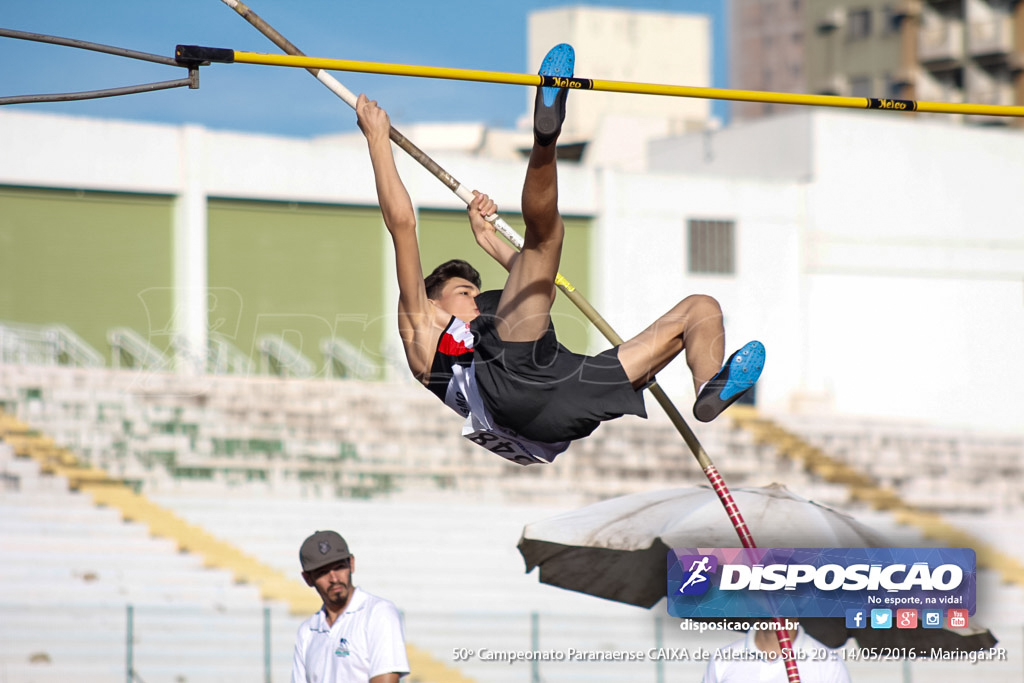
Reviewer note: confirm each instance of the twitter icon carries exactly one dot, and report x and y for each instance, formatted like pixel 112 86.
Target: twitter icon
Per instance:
pixel 881 618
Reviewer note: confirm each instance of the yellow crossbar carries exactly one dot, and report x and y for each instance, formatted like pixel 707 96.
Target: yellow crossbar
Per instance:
pixel 304 62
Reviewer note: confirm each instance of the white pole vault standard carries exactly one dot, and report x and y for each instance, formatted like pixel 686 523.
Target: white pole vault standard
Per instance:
pixel 466 195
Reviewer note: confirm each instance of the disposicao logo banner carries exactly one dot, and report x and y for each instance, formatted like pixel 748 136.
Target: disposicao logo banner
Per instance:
pixel 817 582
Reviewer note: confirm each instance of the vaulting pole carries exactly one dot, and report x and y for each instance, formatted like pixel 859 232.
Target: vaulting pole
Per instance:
pixel 466 195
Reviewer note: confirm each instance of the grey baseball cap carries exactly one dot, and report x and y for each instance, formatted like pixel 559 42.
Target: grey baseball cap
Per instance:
pixel 321 549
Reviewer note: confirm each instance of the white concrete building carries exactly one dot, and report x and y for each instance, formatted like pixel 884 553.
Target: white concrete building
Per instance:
pixel 908 259
pixel 667 48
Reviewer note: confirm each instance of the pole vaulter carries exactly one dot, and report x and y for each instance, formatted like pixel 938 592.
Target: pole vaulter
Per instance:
pixel 466 195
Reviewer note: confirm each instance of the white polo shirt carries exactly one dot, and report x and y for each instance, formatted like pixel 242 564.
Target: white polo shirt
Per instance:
pixel 743 662
pixel 366 640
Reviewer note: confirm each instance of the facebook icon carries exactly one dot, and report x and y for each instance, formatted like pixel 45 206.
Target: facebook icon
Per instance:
pixel 855 618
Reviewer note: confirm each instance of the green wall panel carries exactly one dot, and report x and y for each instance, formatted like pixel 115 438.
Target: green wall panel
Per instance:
pixel 446 235
pixel 304 271
pixel 89 260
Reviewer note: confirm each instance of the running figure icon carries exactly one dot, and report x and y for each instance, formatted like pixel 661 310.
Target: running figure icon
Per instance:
pixel 697 570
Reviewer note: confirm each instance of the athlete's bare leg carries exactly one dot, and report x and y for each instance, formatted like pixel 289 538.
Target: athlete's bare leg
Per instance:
pixel 524 311
pixel 694 325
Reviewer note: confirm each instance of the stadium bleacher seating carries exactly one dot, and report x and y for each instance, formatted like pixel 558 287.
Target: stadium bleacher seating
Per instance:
pixel 933 468
pixel 261 462
pixel 310 437
pixel 69 567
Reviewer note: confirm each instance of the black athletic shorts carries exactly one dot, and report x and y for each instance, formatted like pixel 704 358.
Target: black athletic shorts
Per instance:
pixel 542 390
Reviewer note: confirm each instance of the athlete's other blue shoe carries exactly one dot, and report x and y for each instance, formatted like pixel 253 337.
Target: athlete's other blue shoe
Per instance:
pixel 549 105
pixel 738 374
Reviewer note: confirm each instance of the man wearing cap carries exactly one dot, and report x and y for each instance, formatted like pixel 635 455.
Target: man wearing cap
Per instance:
pixel 355 637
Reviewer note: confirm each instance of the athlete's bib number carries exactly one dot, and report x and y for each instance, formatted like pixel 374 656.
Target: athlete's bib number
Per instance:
pixel 506 448
pixel 464 398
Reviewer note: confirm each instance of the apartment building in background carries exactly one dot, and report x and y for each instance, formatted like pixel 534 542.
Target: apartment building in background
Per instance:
pixel 930 50
pixel 767 44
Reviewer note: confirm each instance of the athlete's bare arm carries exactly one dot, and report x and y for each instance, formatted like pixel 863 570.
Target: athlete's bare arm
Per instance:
pixel 487 236
pixel 420 323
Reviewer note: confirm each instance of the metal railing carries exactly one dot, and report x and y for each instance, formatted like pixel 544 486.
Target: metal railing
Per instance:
pixel 344 360
pixel 278 357
pixel 994 36
pixel 941 41
pixel 45 345
pixel 31 344
pixel 130 349
pixel 224 358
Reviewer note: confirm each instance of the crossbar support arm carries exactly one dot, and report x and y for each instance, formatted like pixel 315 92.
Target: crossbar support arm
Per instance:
pixel 192 81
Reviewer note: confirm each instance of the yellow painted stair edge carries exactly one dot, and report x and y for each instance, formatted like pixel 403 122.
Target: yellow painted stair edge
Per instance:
pixel 863 488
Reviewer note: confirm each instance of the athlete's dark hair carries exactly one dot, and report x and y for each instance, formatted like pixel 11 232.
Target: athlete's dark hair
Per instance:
pixel 437 279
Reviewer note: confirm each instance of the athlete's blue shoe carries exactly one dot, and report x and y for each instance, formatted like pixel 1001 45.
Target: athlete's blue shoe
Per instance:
pixel 549 105
pixel 738 374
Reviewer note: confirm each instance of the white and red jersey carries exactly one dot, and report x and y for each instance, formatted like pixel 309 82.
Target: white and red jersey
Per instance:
pixel 453 380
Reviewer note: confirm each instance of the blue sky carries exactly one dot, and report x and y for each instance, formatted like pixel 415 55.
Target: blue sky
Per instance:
pixel 485 35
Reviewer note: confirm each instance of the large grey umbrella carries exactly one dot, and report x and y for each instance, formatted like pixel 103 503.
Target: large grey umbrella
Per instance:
pixel 617 549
